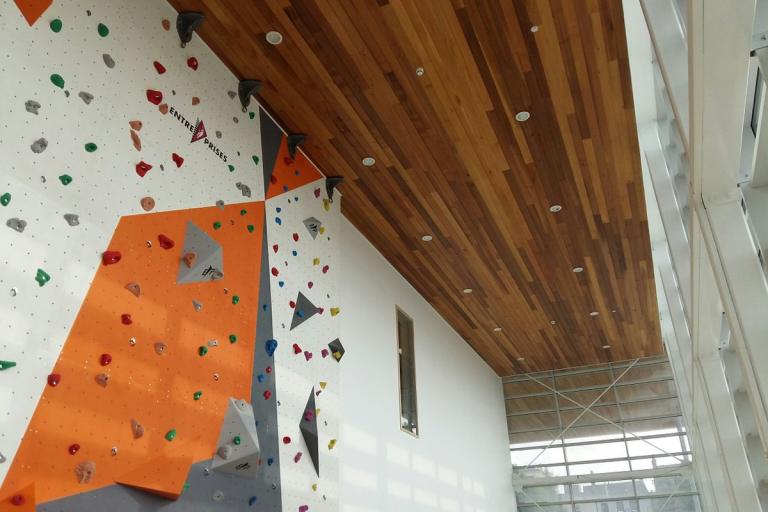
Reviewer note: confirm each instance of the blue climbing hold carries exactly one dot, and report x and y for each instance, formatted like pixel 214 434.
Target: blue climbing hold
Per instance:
pixel 265 307
pixel 251 501
pixel 281 283
pixel 294 253
pixel 270 461
pixel 278 209
pixel 285 188
pixel 271 346
pixel 279 222
pixel 260 377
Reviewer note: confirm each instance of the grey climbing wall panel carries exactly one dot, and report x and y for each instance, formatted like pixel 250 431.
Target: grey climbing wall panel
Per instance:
pixel 271 136
pixel 208 260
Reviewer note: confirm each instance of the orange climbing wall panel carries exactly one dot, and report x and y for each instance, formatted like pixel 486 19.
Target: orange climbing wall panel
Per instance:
pixel 156 390
pixel 288 176
pixel 33 9
pixel 27 493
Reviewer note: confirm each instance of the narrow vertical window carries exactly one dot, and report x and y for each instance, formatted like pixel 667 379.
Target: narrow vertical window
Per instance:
pixel 409 421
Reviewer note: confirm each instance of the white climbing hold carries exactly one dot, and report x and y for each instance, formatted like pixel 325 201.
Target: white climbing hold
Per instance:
pixel 72 219
pixel 108 60
pixel 86 97
pixel 16 224
pixel 32 106
pixel 39 145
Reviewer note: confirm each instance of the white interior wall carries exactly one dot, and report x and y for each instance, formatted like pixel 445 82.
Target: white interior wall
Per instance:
pixel 460 462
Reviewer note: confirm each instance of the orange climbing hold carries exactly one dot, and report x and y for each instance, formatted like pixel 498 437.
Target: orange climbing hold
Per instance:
pixel 33 9
pixel 166 24
pixel 22 500
pixel 163 108
pixel 195 100
pixel 189 259
pixel 136 140
pixel 135 125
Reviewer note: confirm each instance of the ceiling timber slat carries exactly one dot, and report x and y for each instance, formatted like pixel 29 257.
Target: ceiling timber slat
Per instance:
pixel 453 162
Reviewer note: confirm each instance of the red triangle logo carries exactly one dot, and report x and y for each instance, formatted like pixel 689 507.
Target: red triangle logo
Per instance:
pixel 199 132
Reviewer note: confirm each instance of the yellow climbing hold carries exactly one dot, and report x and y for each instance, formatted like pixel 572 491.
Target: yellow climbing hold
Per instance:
pixel 331 444
pixel 323 384
pixel 335 311
pixel 326 205
pixel 322 230
pixel 314 487
pixel 315 261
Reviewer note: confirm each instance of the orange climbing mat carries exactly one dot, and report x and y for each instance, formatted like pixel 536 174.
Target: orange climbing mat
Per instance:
pixel 156 390
pixel 33 9
pixel 289 176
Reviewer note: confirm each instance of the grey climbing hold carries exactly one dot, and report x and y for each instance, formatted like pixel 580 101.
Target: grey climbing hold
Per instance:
pixel 197 305
pixel 39 145
pixel 16 224
pixel 66 93
pixel 224 451
pixel 231 94
pixel 220 204
pixel 244 189
pixel 2 458
pixel 72 219
pixel 86 97
pixel 32 106
pixel 218 134
pixel 235 119
pixel 108 60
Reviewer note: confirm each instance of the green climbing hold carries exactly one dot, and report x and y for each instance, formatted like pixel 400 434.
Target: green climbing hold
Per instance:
pixel 91 147
pixel 236 440
pixel 4 365
pixel 197 395
pixel 216 225
pixel 65 179
pixel 243 212
pixel 57 80
pixel 251 227
pixel 232 338
pixel 255 159
pixel 56 25
pixel 231 168
pixel 251 114
pixel 5 199
pixel 235 299
pixel 42 277
pixel 103 30
pixel 202 350
pixel 170 435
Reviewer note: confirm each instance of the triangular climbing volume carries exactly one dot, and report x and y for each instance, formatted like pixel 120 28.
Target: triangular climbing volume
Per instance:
pixel 303 311
pixel 199 131
pixel 238 449
pixel 201 258
pixel 271 135
pixel 163 475
pixel 308 427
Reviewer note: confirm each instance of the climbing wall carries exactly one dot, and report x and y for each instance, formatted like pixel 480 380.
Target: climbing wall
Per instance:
pixel 165 253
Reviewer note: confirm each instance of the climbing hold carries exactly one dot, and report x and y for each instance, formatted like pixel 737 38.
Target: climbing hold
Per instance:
pixel 297 457
pixel 170 435
pixel 325 269
pixel 136 429
pixel 315 261
pixel 307 355
pixel 186 23
pixel 39 145
pixel 337 349
pixel 296 348
pixel 102 379
pixel 136 140
pixel 275 272
pixel 110 257
pixel 195 100
pixel 160 348
pixel 54 379
pixel 135 125
pixel 16 224
pixel 250 228
pixel 232 338
pixel 57 80
pixel 113 451
pixel 271 346
pixel 32 106
pixel 202 350
pixel 235 299
pixel 163 108
pixel 335 311
pixel 108 60
pixel 294 140
pixel 134 288
pixel 213 343
pixel 251 501
pixel 18 500
pixel 286 440
pixel 310 284
pixel 105 359
pixel 303 508
pixel 65 179
pixel 147 203
pixel 42 277
pixel 197 395
pixel 197 305
pixel 323 384
pixel 252 115
pixel 5 199
pixel 324 353
pixel 317 192
pixel 268 369
pixel 165 242
pixel 86 97
pixel 267 394
pixel 85 471
pixel 220 204
pixel 103 30
pixel 236 440
pixel 261 377
pixel 246 89
pixel 216 225
pixel 72 219
pixel 331 182
pixel 159 67
pixel 224 451
pixel 254 157
pixel 132 342
pixel 244 189
pixel 126 319
pixel 275 247
pixel 166 24
pixel 56 25
pixel 177 160
pixel 142 168
pixel 91 147
pixel 73 448
pixel 326 205
pixel 218 136
pixel 4 365
pixel 189 259
pixel 154 96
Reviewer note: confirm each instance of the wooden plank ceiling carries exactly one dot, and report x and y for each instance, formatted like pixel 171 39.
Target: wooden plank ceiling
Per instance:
pixel 454 163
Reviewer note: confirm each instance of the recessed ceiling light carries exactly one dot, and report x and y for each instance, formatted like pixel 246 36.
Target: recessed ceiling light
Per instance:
pixel 535 28
pixel 520 359
pixel 497 329
pixel 369 161
pixel 594 313
pixel 467 290
pixel 555 208
pixel 606 347
pixel 523 116
pixel 426 238
pixel 553 322
pixel 419 71
pixel 274 38
pixel 578 269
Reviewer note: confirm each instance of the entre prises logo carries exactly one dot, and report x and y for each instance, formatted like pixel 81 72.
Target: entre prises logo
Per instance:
pixel 198 132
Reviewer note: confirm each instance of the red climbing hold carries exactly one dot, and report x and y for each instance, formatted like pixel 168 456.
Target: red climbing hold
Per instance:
pixel 317 192
pixel 273 179
pixel 286 440
pixel 325 269
pixel 189 259
pixel 267 394
pixel 292 304
pixel 297 457
pixel 295 237
pixel 307 355
pixel 287 160
pixel 73 448
pixel 275 247
pixel 324 353
pixel 54 379
pixel 275 272
pixel 296 348
pixel 110 257
pixel 320 310
pixel 303 508
pixel 192 63
pixel 165 242
pixel 142 168
pixel 159 68
pixel 105 359
pixel 126 319
pixel 18 500
pixel 177 160
pixel 154 96
pixel 310 285
pixel 166 24
pixel 268 369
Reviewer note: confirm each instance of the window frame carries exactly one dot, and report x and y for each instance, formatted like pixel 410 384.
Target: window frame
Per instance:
pixel 398 312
